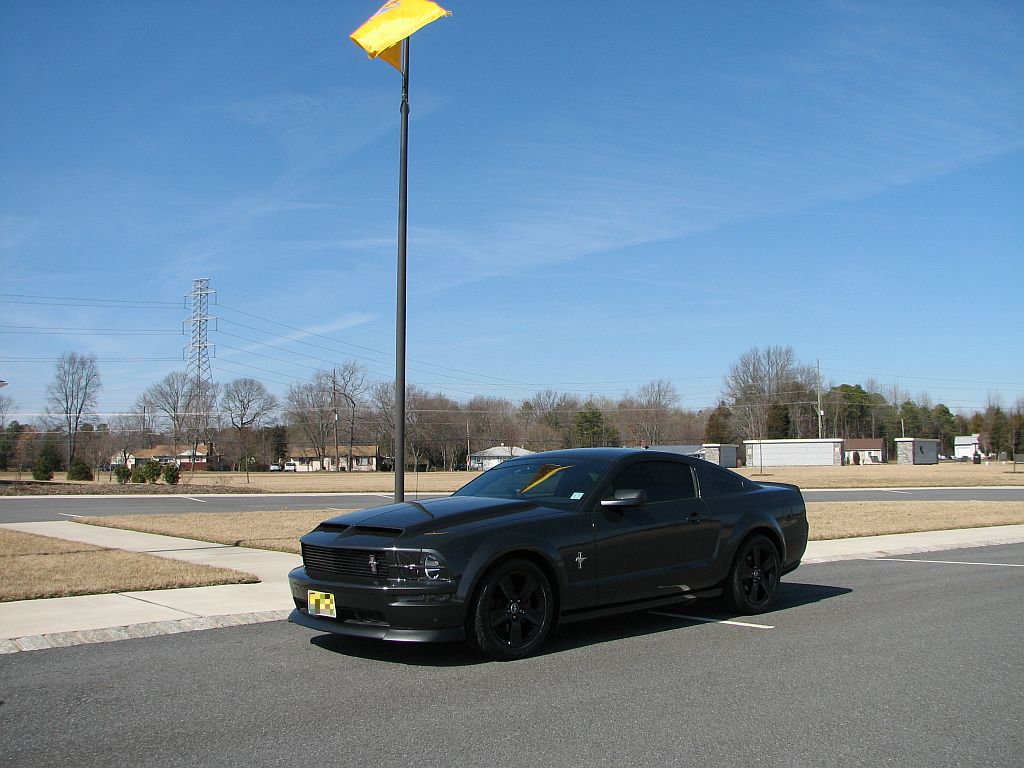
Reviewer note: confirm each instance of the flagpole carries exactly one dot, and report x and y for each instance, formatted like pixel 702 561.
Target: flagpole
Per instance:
pixel 403 194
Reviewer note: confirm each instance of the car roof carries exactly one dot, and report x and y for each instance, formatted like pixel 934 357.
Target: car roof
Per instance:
pixel 607 454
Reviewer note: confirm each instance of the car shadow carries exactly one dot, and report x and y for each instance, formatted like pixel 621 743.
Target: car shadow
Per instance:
pixel 577 635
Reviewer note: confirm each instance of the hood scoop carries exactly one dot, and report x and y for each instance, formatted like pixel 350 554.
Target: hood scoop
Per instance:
pixel 355 530
pixel 332 527
pixel 377 530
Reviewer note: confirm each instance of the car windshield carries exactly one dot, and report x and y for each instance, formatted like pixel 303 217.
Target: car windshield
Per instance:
pixel 550 481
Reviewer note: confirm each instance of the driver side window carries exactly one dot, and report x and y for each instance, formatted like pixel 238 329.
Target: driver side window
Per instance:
pixel 661 480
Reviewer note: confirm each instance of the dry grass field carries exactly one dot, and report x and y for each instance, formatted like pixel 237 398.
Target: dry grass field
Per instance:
pixel 947 474
pixel 41 566
pixel 827 520
pixel 37 566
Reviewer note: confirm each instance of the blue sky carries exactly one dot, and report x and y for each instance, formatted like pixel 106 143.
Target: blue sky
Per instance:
pixel 601 194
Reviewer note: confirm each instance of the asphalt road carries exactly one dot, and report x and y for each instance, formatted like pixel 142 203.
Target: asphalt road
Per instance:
pixel 864 663
pixel 39 508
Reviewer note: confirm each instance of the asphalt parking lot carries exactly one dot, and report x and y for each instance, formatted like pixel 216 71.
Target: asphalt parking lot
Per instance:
pixel 910 662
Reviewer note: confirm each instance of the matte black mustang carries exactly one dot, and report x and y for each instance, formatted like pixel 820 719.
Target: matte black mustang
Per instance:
pixel 547 538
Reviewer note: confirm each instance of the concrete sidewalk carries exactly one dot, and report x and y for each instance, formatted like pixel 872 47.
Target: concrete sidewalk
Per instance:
pixel 63 621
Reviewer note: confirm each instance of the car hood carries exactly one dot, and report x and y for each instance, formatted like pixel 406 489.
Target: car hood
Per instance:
pixel 416 517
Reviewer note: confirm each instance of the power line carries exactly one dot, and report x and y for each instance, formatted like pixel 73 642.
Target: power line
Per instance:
pixel 132 303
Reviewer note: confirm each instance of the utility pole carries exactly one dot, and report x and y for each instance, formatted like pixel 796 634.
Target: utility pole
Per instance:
pixel 334 405
pixel 351 427
pixel 820 412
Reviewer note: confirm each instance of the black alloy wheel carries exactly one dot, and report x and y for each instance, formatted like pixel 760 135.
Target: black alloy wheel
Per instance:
pixel 754 578
pixel 513 611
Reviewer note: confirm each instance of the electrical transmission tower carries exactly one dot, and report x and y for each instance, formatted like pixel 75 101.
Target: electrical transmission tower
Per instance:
pixel 199 372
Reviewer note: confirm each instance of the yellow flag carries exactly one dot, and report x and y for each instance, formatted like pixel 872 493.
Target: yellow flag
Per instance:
pixel 382 34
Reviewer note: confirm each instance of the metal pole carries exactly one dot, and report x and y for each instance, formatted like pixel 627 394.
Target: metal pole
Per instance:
pixel 334 405
pixel 403 193
pixel 820 412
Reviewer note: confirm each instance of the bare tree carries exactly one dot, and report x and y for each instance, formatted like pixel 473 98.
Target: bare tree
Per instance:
pixel 655 402
pixel 126 436
pixel 309 408
pixel 169 397
pixel 72 394
pixel 6 403
pixel 201 419
pixel 247 403
pixel 382 406
pixel 349 382
pixel 763 378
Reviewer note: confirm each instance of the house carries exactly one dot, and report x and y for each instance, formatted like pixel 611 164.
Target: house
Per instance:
pixel 867 450
pixel 492 457
pixel 965 446
pixel 166 454
pixel 365 458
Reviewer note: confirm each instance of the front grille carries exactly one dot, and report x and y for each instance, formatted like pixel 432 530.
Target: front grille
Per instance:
pixel 358 615
pixel 333 564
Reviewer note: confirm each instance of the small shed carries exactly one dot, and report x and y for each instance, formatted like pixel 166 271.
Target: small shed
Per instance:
pixel 965 446
pixel 917 450
pixel 492 457
pixel 822 452
pixel 722 454
pixel 868 450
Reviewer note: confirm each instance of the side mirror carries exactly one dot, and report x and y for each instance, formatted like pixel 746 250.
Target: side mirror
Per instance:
pixel 626 497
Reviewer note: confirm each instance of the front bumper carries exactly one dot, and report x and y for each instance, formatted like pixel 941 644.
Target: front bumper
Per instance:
pixel 427 613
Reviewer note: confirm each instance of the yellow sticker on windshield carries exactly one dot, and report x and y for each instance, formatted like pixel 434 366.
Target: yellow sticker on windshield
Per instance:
pixel 543 473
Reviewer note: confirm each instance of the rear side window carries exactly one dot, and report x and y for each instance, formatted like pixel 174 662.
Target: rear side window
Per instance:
pixel 718 482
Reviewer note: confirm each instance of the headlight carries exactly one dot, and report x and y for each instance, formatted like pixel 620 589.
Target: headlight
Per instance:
pixel 420 565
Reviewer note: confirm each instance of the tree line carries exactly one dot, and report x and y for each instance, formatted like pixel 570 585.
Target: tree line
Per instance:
pixel 766 394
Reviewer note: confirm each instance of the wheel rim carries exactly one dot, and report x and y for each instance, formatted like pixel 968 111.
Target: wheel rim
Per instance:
pixel 760 573
pixel 517 610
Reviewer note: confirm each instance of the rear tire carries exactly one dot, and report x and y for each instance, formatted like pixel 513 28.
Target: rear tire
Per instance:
pixel 512 612
pixel 754 578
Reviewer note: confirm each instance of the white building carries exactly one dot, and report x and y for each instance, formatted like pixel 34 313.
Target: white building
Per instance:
pixel 866 450
pixel 823 452
pixel 965 446
pixel 492 457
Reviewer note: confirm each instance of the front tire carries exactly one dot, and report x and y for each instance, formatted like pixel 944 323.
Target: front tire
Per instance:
pixel 754 578
pixel 513 611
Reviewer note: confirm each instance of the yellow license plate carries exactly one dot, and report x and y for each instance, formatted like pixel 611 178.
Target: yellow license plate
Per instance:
pixel 321 604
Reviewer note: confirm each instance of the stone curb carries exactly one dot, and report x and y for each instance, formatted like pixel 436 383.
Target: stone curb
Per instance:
pixel 67 639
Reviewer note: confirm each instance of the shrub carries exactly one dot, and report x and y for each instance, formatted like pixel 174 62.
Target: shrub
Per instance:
pixel 41 470
pixel 171 474
pixel 79 470
pixel 151 471
pixel 138 476
pixel 122 474
pixel 48 461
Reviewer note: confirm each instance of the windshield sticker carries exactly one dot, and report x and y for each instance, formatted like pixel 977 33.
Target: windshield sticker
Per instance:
pixel 576 496
pixel 544 472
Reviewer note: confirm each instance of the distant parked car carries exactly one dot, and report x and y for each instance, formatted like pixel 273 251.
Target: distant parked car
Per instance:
pixel 275 467
pixel 550 538
pixel 289 466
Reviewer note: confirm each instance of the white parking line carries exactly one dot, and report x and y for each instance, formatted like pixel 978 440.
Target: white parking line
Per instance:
pixel 944 562
pixel 706 620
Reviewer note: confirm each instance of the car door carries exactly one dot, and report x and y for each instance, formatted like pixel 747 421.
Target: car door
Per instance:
pixel 649 550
